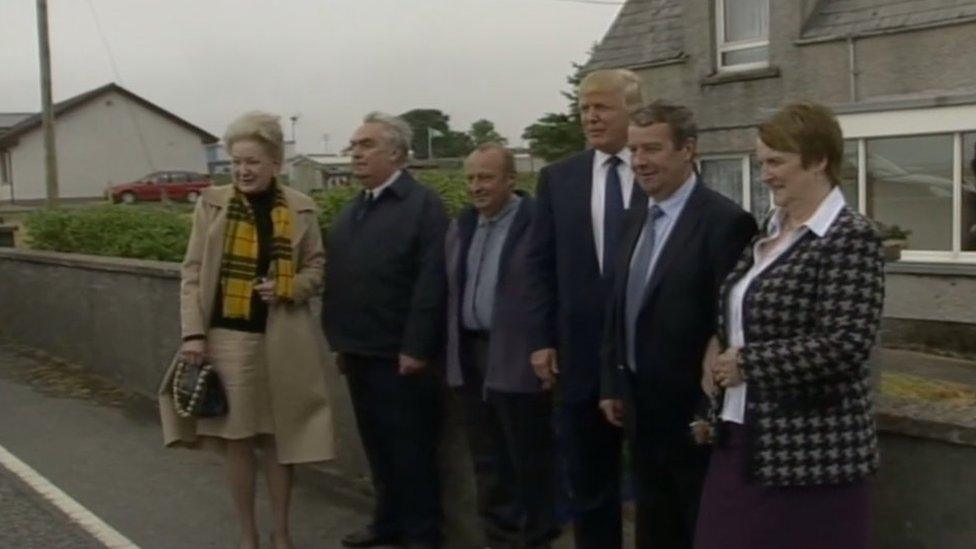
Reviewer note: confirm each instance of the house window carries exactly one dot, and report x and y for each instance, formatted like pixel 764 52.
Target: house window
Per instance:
pixel 4 167
pixel 909 184
pixel 967 225
pixel 849 173
pixel 725 176
pixel 912 169
pixel 742 34
pixel 761 200
pixel 728 175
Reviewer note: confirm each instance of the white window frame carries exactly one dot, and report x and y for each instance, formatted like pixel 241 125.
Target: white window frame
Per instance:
pixel 722 47
pixel 955 121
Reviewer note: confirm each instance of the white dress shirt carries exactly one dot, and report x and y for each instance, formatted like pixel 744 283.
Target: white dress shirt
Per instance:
pixel 734 405
pixel 599 192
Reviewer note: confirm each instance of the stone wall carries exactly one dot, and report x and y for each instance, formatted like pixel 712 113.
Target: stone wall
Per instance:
pixel 120 318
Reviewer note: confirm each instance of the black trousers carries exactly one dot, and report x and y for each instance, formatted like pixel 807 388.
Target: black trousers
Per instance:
pixel 398 418
pixel 590 449
pixel 512 448
pixel 669 473
pixel 668 494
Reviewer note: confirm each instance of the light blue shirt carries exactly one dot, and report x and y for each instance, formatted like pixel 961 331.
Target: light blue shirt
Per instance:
pixel 671 207
pixel 483 261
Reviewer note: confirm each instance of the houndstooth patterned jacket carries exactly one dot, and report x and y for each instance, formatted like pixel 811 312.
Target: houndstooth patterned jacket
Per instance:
pixel 810 320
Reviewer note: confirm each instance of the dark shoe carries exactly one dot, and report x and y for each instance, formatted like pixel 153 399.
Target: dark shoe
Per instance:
pixel 421 545
pixel 368 538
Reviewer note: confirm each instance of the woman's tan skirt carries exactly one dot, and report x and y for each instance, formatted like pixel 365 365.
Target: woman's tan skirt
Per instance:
pixel 241 362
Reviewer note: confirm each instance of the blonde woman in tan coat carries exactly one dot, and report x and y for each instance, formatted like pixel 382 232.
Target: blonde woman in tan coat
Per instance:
pixel 254 259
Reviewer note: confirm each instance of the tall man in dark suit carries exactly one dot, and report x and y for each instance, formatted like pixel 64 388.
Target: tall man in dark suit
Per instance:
pixel 674 255
pixel 508 413
pixel 383 313
pixel 579 214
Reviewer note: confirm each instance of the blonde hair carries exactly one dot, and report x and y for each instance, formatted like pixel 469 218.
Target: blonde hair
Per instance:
pixel 614 80
pixel 810 129
pixel 262 127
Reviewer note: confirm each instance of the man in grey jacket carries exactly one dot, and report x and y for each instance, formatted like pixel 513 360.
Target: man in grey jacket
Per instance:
pixel 508 413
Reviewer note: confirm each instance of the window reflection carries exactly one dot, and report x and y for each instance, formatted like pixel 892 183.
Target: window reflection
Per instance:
pixel 967 228
pixel 758 193
pixel 909 184
pixel 724 176
pixel 848 174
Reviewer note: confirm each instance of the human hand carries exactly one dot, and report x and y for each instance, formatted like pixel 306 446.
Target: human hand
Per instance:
pixel 410 365
pixel 194 350
pixel 702 432
pixel 613 410
pixel 708 369
pixel 265 287
pixel 726 368
pixel 545 366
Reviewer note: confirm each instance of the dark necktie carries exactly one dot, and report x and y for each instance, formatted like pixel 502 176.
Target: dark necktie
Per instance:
pixel 613 215
pixel 637 277
pixel 365 202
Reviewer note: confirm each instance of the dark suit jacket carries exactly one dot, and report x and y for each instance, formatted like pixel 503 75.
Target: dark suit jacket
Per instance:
pixel 568 297
pixel 509 348
pixel 384 276
pixel 677 318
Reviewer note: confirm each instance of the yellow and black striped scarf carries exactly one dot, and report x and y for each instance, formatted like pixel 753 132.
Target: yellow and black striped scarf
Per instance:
pixel 239 264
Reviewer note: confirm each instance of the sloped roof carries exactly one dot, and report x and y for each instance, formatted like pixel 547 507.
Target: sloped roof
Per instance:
pixel 34 120
pixel 10 119
pixel 645 32
pixel 842 18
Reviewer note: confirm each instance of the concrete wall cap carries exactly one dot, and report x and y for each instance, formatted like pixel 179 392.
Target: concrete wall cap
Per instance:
pixel 161 269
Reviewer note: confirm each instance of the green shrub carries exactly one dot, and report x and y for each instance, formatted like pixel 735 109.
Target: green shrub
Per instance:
pixel 161 233
pixel 449 184
pixel 122 231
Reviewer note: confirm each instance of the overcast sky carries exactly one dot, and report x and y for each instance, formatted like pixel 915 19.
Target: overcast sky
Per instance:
pixel 330 61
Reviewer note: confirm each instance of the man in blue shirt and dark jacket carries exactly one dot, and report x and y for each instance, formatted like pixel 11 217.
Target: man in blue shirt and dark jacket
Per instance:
pixel 507 411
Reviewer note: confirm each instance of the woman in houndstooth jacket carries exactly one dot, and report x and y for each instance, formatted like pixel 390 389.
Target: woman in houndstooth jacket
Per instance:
pixel 788 369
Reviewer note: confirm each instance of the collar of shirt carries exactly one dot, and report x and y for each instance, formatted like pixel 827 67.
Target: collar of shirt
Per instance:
pixel 820 221
pixel 600 158
pixel 672 205
pixel 507 210
pixel 376 191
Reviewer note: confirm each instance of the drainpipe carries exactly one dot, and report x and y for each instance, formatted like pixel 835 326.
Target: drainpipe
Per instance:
pixel 852 65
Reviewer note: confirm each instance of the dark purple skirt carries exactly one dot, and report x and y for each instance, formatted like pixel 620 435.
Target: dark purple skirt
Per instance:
pixel 738 514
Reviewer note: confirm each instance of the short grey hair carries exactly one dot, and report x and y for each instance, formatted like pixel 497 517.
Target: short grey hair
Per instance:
pixel 259 126
pixel 398 132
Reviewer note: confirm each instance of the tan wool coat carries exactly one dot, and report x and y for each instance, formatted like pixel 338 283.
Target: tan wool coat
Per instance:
pixel 294 342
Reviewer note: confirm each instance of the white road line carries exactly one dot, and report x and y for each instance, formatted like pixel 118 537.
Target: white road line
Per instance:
pixel 75 512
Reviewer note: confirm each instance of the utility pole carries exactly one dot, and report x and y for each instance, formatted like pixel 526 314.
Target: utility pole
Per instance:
pixel 294 120
pixel 47 110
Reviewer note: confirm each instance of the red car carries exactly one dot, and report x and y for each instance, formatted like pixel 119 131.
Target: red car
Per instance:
pixel 174 184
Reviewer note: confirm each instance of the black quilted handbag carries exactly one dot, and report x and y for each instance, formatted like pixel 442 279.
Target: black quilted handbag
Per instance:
pixel 197 390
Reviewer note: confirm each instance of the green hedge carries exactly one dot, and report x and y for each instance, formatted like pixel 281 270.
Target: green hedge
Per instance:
pixel 161 233
pixel 140 232
pixel 449 184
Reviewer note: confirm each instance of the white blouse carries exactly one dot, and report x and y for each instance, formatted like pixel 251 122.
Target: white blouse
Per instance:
pixel 734 405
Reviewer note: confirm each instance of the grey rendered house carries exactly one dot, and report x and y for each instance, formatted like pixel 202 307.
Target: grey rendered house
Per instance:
pixel 901 74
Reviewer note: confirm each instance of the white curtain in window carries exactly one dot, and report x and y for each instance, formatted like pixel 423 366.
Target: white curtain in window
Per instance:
pixel 746 19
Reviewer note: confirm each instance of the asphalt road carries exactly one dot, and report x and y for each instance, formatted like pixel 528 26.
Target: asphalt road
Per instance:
pixel 103 448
